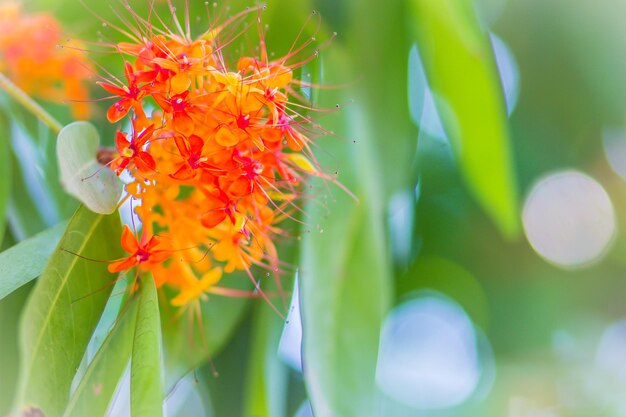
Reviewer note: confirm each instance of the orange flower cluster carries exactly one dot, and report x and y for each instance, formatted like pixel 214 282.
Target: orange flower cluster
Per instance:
pixel 216 154
pixel 30 57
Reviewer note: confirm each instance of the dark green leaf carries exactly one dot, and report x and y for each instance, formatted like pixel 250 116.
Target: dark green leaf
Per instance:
pixel 188 343
pixel 64 309
pixel 461 69
pixel 95 391
pixel 26 260
pixel 146 373
pixel 225 378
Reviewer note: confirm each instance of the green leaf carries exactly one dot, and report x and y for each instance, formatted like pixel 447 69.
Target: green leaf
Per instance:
pixel 188 343
pixel 146 377
pixel 81 174
pixel 225 387
pixel 64 309
pixel 49 165
pixel 461 70
pixel 24 215
pixel 10 310
pixel 379 45
pixel 285 19
pixel 5 173
pixel 32 144
pixel 26 260
pixel 266 394
pixel 95 391
pixel 345 276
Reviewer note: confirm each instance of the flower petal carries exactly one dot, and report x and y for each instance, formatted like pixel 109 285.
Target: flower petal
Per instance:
pixel 122 265
pixel 213 218
pixel 226 138
pixel 129 240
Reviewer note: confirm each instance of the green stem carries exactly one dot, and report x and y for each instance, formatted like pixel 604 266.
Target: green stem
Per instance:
pixel 29 104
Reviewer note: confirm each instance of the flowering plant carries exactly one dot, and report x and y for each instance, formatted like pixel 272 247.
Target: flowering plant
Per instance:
pixel 208 208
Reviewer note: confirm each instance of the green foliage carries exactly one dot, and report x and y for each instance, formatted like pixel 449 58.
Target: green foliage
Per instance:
pixel 146 372
pixel 24 218
pixel 345 277
pixel 266 378
pixel 379 50
pixel 10 310
pixel 224 378
pixel 36 170
pixel 25 261
pixel 63 311
pixel 461 69
pixel 97 386
pixel 189 340
pixel 5 173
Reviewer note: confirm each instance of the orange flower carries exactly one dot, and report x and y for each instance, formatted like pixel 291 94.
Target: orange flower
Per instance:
pixel 180 108
pixel 220 162
pixel 130 96
pixel 193 159
pixel 132 152
pixel 143 254
pixel 30 56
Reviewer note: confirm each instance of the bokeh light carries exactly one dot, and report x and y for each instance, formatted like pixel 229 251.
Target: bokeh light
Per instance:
pixel 569 219
pixel 429 354
pixel 400 223
pixel 614 143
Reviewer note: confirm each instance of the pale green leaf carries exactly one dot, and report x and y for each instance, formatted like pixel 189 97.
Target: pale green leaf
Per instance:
pixel 81 174
pixel 26 260
pixel 345 276
pixel 461 70
pixel 146 373
pixel 10 310
pixel 379 45
pixel 95 391
pixel 24 216
pixel 64 309
pixel 35 149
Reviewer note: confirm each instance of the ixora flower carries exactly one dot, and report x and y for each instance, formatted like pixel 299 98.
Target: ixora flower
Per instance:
pixel 30 56
pixel 217 151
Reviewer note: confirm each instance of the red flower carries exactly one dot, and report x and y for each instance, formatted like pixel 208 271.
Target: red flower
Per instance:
pixel 131 96
pixel 191 151
pixel 181 109
pixel 132 151
pixel 142 253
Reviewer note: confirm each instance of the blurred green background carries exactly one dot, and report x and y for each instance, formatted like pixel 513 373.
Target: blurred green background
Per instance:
pixel 481 272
